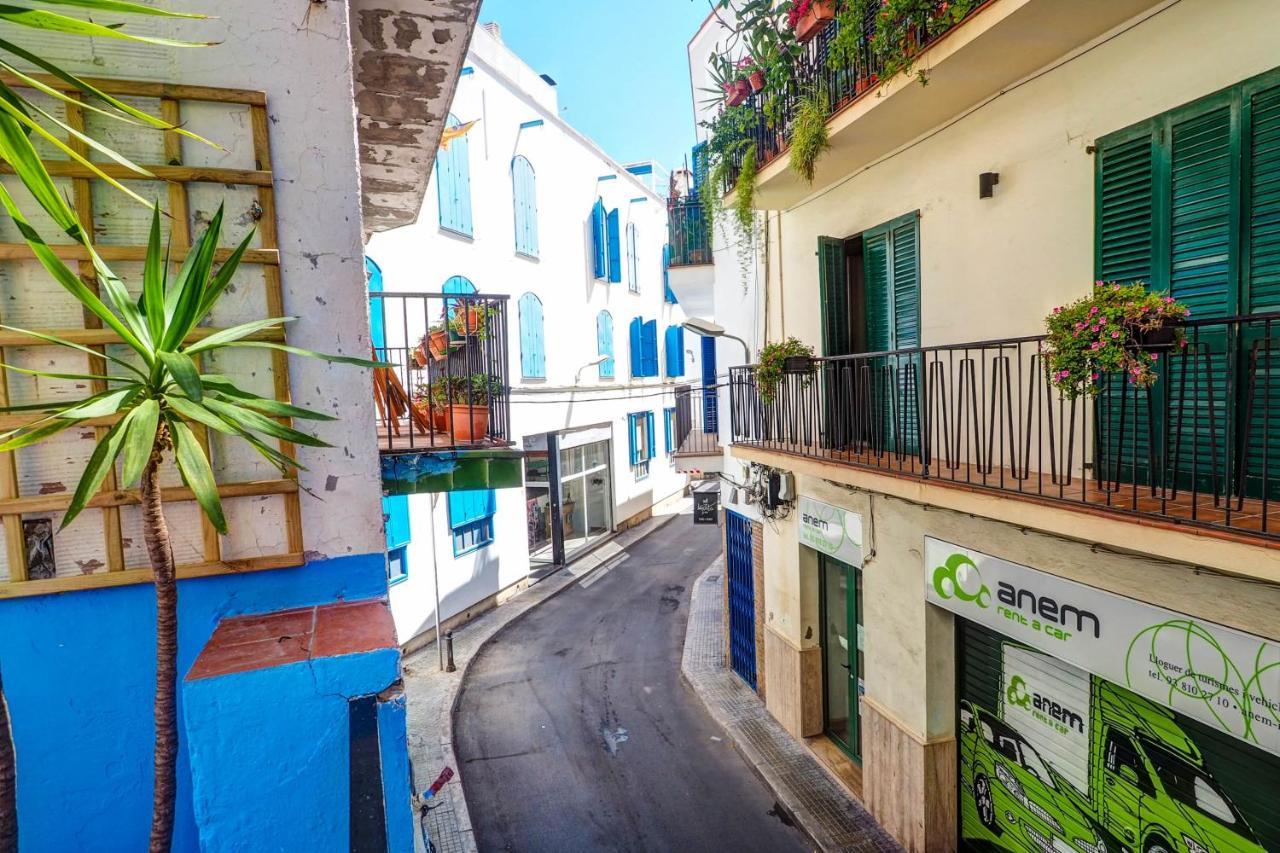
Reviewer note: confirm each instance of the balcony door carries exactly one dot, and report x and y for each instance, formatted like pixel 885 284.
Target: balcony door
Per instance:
pixel 870 294
pixel 1189 202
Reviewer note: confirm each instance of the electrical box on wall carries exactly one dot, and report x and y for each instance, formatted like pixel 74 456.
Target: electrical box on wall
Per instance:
pixel 779 489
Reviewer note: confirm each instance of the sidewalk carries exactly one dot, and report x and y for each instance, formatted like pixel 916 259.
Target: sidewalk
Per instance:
pixel 430 693
pixel 830 816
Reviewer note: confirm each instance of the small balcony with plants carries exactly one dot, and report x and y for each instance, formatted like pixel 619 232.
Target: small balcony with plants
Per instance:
pixel 808 91
pixel 1125 408
pixel 443 400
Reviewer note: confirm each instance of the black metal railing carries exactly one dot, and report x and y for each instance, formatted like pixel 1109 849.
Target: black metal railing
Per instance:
pixel 837 83
pixel 687 233
pixel 446 383
pixel 697 422
pixel 1200 446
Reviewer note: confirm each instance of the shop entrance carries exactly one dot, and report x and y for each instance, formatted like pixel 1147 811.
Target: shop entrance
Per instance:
pixel 840 606
pixel 569 491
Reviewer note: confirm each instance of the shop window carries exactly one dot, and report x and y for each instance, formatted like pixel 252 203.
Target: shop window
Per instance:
pixel 471 519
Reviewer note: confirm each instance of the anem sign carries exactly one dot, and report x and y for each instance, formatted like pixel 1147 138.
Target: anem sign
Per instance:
pixel 831 530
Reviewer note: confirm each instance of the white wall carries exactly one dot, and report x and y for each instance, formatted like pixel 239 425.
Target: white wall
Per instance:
pixel 571 173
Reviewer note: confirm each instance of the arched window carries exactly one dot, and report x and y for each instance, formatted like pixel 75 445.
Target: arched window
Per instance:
pixel 453 183
pixel 525 195
pixel 377 316
pixel 604 343
pixel 533 359
pixel 455 284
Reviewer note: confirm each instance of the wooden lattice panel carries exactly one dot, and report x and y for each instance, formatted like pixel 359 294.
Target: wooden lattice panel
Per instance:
pixel 103 547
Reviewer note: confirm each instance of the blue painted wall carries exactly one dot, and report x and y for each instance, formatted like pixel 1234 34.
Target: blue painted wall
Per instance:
pixel 79 672
pixel 273 751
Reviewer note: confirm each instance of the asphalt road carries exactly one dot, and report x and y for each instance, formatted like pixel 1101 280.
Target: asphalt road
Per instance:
pixel 575 731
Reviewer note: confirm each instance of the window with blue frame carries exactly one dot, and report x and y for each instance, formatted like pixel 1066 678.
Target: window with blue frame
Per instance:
pixel 640 441
pixel 667 293
pixel 453 184
pixel 395 521
pixel 604 343
pixel 525 195
pixel 614 238
pixel 533 360
pixel 471 519
pixel 633 272
pixel 675 350
pixel 669 429
pixel 644 347
pixel 377 309
pixel 599 240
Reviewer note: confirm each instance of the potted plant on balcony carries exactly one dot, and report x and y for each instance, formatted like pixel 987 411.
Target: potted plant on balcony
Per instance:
pixel 753 72
pixel 471 319
pixel 789 356
pixel 809 136
pixel 437 341
pixel 468 414
pixel 807 18
pixel 1118 329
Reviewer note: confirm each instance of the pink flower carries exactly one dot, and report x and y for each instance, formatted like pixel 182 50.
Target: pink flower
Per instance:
pixel 1115 335
pixel 1155 356
pixel 1096 376
pixel 1093 310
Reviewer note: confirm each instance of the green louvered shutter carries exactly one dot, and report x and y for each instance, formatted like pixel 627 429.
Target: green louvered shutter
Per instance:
pixel 905 241
pixel 891 269
pixel 1125 253
pixel 834 284
pixel 876 271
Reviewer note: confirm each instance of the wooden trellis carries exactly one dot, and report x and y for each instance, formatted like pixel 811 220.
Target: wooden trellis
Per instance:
pixel 179 179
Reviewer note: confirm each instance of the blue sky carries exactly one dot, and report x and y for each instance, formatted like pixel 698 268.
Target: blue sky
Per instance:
pixel 623 78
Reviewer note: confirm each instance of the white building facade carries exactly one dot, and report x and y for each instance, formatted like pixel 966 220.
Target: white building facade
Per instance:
pixel 525 207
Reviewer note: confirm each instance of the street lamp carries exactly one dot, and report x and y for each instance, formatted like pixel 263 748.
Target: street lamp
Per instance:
pixel 595 362
pixel 708 329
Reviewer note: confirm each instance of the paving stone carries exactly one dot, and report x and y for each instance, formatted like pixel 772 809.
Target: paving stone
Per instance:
pixel 833 818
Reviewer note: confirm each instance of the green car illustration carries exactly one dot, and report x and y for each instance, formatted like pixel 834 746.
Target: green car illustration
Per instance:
pixel 1019 798
pixel 1154 793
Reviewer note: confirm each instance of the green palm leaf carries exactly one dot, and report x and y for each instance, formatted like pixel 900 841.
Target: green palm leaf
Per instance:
pixel 196 472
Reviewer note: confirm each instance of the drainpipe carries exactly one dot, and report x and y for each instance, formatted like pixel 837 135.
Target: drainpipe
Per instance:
pixel 435 581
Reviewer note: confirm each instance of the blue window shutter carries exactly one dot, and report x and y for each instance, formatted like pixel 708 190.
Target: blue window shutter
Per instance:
pixel 633 270
pixel 648 417
pixel 471 505
pixel 649 349
pixel 525 201
pixel 668 342
pixel 377 314
pixel 675 350
pixel 667 292
pixel 633 445
pixel 710 399
pixel 679 336
pixel 395 512
pixel 456 284
pixel 699 165
pixel 637 354
pixel 667 431
pixel 533 362
pixel 453 184
pixel 615 247
pixel 604 343
pixel 598 243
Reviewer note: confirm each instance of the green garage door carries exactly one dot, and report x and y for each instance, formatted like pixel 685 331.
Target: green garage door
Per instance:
pixel 1055 759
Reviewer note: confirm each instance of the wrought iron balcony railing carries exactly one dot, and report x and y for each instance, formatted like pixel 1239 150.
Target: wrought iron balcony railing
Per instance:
pixel 687 233
pixel 446 386
pixel 697 422
pixel 1201 446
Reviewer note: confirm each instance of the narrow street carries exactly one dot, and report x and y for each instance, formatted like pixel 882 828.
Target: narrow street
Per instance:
pixel 575 732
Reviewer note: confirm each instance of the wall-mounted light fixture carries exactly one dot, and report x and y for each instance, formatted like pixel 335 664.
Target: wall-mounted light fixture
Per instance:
pixel 987 184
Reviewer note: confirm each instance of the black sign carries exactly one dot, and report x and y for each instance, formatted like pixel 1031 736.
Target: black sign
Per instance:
pixel 706 507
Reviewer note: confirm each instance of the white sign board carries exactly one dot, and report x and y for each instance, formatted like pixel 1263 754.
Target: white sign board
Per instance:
pixel 1224 678
pixel 1048 702
pixel 831 530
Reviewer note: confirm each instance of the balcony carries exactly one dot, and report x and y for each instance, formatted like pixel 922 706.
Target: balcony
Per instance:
pixel 997 44
pixel 443 403
pixel 696 444
pixel 1200 448
pixel 688 233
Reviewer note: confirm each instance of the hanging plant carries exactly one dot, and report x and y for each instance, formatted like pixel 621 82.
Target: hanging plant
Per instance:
pixel 809 138
pixel 744 192
pixel 1118 329
pixel 773 363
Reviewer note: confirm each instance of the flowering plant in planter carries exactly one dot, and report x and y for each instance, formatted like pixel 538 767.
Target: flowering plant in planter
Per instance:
pixel 1112 331
pixel 773 363
pixel 753 72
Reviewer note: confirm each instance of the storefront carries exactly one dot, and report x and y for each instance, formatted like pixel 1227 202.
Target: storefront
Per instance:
pixel 568 492
pixel 835 534
pixel 1090 721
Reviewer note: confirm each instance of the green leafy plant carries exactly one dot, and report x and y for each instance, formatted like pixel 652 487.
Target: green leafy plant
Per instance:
pixel 809 136
pixel 770 366
pixel 159 399
pixel 1103 334
pixel 744 192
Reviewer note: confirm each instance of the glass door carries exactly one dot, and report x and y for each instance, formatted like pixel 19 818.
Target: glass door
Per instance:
pixel 840 606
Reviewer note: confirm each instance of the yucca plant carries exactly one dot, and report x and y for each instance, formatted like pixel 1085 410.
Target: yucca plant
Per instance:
pixel 159 399
pixel 21 119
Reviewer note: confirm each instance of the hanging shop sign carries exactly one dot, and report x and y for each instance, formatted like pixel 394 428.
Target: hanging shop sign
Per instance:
pixel 1224 678
pixel 706 506
pixel 831 530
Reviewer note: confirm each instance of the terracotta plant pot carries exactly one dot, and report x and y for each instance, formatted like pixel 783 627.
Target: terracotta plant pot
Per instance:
pixel 815 20
pixel 468 423
pixel 420 355
pixel 865 84
pixel 438 343
pixel 467 321
pixel 439 419
pixel 757 81
pixel 741 91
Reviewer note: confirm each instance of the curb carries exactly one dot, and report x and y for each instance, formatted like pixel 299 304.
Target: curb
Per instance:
pixel 463 814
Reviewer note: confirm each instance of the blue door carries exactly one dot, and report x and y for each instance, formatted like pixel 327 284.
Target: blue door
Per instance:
pixel 742 597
